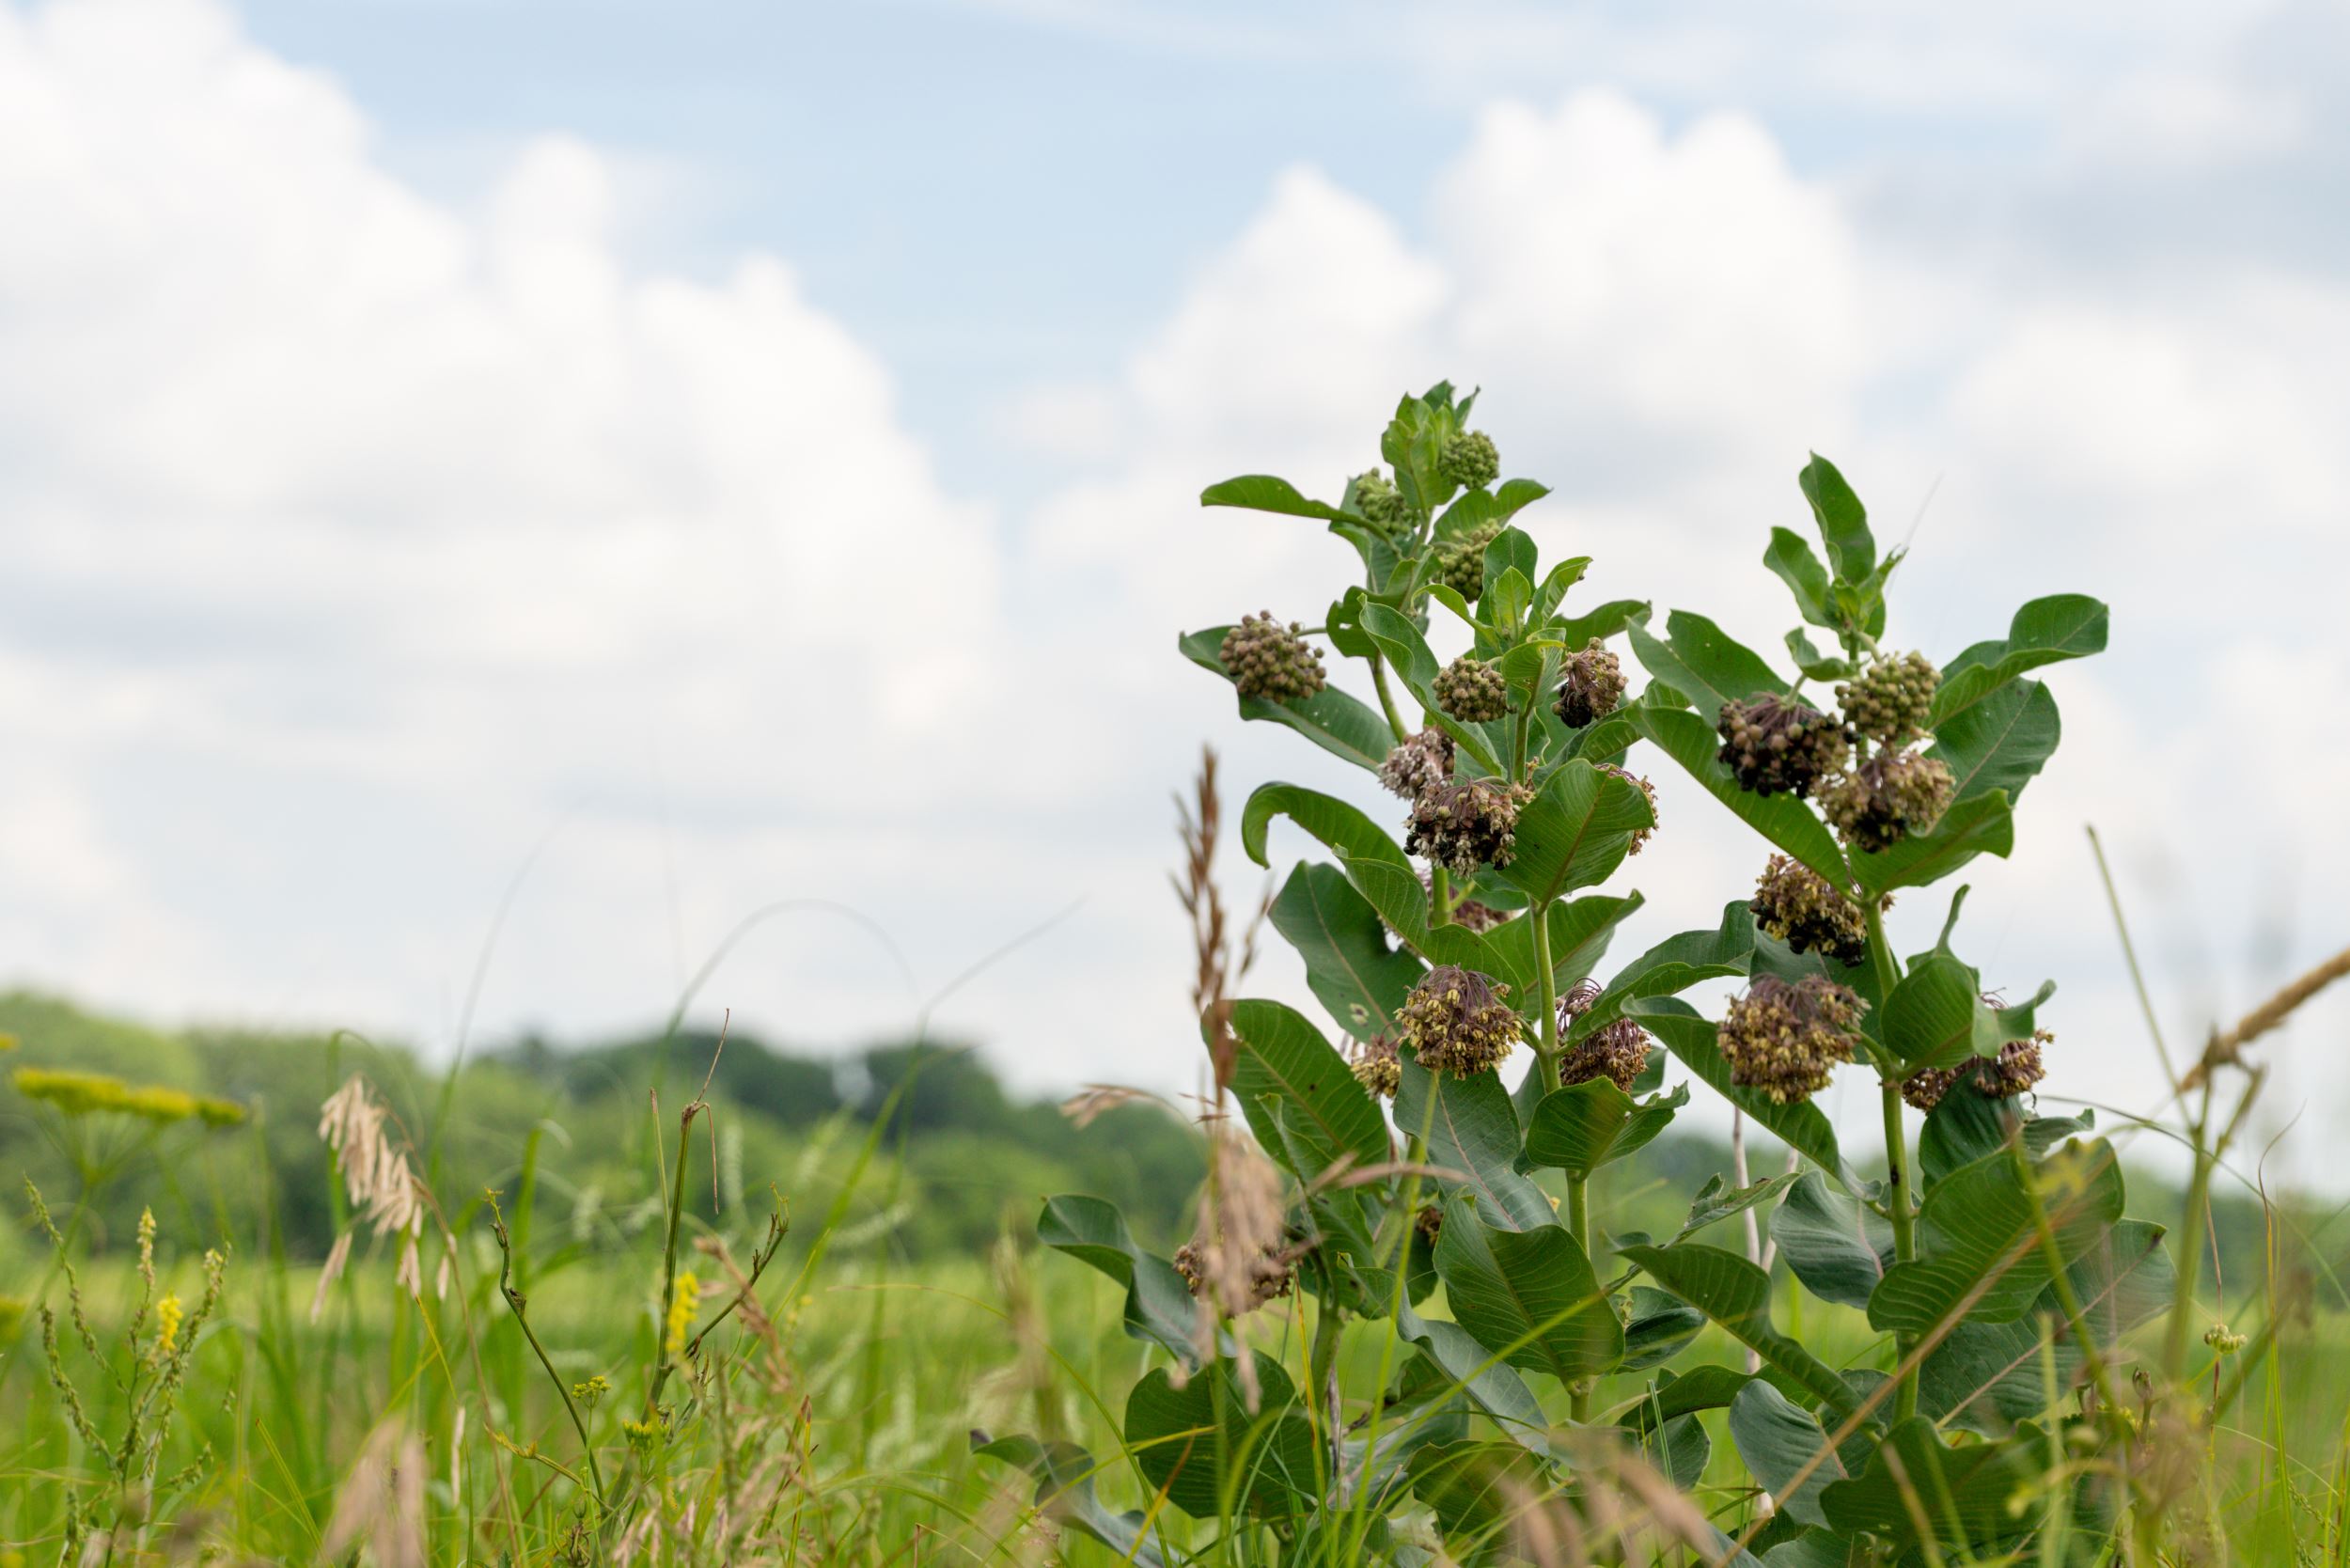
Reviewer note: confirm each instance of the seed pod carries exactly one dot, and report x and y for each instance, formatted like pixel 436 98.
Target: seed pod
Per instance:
pixel 1787 1040
pixel 1472 691
pixel 1801 908
pixel 1591 687
pixel 1773 745
pixel 1461 565
pixel 1419 764
pixel 1458 1023
pixel 1640 835
pixel 1271 661
pixel 1469 459
pixel 1887 798
pixel 2019 1065
pixel 1617 1051
pixel 1464 825
pixel 1382 505
pixel 1889 701
pixel 1378 1067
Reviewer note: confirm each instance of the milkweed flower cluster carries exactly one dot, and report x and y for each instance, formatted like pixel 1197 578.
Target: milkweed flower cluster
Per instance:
pixel 1464 825
pixel 1801 908
pixel 1458 1023
pixel 2019 1065
pixel 1266 659
pixel 1787 1039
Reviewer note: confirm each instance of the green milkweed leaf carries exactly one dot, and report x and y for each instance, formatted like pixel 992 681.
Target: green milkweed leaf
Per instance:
pixel 1159 1309
pixel 1706 663
pixel 1349 964
pixel 1737 1294
pixel 1284 1060
pixel 1472 1128
pixel 1529 1296
pixel 1339 722
pixel 1786 822
pixel 1583 1126
pixel 2062 626
pixel 1064 1492
pixel 1196 1441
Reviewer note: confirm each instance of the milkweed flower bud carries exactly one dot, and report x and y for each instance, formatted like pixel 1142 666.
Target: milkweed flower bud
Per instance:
pixel 1378 1065
pixel 1775 745
pixel 1419 764
pixel 1788 1039
pixel 1458 1023
pixel 1464 825
pixel 2019 1066
pixel 1469 459
pixel 1640 835
pixel 1801 908
pixel 1382 505
pixel 1461 565
pixel 1479 917
pixel 1473 690
pixel 1887 798
pixel 1268 660
pixel 1890 700
pixel 1591 687
pixel 1577 1001
pixel 1617 1051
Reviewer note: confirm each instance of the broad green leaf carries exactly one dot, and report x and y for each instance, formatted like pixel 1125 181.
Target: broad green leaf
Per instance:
pixel 1695 1043
pixel 1964 1492
pixel 1674 965
pixel 1201 1446
pixel 1064 1492
pixel 1407 652
pixel 1476 508
pixel 1800 570
pixel 1472 1128
pixel 1492 1383
pixel 1680 1450
pixel 1716 1200
pixel 1980 1255
pixel 1706 1387
pixel 1475 1488
pixel 1552 590
pixel 1263 492
pixel 1737 1294
pixel 1412 443
pixel 1603 622
pixel 1815 664
pixel 1786 822
pixel 2001 743
pixel 1929 1020
pixel 1779 1440
pixel 1965 1128
pixel 1529 1296
pixel 2123 1280
pixel 1575 832
pixel 1334 720
pixel 1852 550
pixel 1349 965
pixel 1283 1058
pixel 1705 662
pixel 1814 1548
pixel 1581 1127
pixel 1159 1309
pixel 2062 626
pixel 1659 1328
pixel 1838 1248
pixel 1981 825
pixel 1360 843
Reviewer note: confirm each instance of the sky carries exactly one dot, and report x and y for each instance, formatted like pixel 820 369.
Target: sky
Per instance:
pixel 496 496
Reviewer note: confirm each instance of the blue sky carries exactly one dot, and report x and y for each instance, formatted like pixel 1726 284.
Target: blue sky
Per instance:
pixel 752 450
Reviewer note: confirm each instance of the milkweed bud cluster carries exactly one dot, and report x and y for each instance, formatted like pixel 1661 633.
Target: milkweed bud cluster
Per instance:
pixel 1458 1023
pixel 1801 908
pixel 1890 700
pixel 1382 505
pixel 1378 1066
pixel 1472 690
pixel 1469 459
pixel 1775 745
pixel 1590 686
pixel 1617 1051
pixel 1461 565
pixel 1418 764
pixel 1889 797
pixel 1464 825
pixel 1268 660
pixel 1786 1039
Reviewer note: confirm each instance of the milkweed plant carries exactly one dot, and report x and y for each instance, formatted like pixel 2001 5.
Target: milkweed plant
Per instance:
pixel 1397 1334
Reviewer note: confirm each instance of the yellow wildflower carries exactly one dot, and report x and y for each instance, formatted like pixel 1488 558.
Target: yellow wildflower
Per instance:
pixel 168 1316
pixel 683 1300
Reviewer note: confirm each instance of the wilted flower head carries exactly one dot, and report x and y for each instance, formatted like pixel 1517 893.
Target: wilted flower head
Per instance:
pixel 2019 1065
pixel 1458 1023
pixel 1469 459
pixel 1378 1065
pixel 1382 505
pixel 1890 700
pixel 1787 1040
pixel 1577 1001
pixel 1617 1051
pixel 1640 835
pixel 1418 764
pixel 1461 565
pixel 1773 745
pixel 1591 685
pixel 1464 825
pixel 1887 798
pixel 1269 660
pixel 1801 908
pixel 1473 690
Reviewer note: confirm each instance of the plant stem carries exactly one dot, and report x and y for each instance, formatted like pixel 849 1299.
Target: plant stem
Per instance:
pixel 1546 1050
pixel 1579 1226
pixel 1439 895
pixel 1321 1378
pixel 1896 1150
pixel 1387 698
pixel 2190 1256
